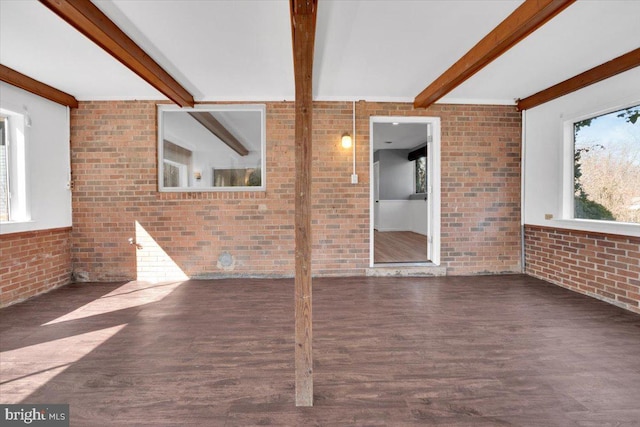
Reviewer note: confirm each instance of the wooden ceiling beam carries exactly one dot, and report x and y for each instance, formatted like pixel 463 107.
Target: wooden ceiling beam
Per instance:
pixel 85 17
pixel 528 17
pixel 609 69
pixel 207 120
pixel 22 81
pixel 303 29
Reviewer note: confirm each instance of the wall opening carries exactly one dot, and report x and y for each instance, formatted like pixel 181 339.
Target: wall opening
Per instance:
pixel 405 191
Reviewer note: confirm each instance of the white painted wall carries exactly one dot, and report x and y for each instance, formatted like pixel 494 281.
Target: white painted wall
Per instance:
pixel 543 145
pixel 393 215
pixel 419 211
pixel 396 175
pixel 402 215
pixel 47 158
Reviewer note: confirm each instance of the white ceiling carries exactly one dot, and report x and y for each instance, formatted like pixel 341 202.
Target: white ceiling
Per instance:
pixel 372 50
pixel 399 136
pixel 391 50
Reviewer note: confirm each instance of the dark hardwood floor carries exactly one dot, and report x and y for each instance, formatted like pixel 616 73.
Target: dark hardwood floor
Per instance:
pixel 453 351
pixel 399 246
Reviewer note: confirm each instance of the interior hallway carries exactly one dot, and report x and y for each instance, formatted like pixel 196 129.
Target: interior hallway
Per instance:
pixel 481 351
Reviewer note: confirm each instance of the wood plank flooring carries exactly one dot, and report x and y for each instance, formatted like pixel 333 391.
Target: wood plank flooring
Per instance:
pixel 452 351
pixel 399 246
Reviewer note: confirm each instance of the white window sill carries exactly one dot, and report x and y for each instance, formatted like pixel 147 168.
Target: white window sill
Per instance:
pixel 211 189
pixel 8 227
pixel 608 227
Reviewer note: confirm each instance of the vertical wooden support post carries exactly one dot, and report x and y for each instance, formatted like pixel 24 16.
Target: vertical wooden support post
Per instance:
pixel 303 24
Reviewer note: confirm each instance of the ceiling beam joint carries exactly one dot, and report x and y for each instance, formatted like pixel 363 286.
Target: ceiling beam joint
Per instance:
pixel 609 69
pixel 85 17
pixel 528 17
pixel 24 82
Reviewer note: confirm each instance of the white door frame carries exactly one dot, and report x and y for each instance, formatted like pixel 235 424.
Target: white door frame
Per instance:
pixel 376 193
pixel 433 184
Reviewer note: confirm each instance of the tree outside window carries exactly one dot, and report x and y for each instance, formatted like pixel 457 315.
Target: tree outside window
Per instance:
pixel 421 174
pixel 607 166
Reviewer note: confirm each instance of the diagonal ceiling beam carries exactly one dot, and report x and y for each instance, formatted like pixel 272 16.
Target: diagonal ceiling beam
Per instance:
pixel 609 69
pixel 528 17
pixel 17 79
pixel 85 17
pixel 303 30
pixel 207 120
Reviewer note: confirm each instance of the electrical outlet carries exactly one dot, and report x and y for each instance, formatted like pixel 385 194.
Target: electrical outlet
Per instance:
pixel 354 178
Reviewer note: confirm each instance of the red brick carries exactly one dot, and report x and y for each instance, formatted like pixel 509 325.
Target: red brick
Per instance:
pixel 37 261
pixel 262 243
pixel 601 263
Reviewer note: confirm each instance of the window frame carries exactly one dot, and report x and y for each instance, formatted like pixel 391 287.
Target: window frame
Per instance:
pixel 16 133
pixel 568 172
pixel 261 108
pixel 6 174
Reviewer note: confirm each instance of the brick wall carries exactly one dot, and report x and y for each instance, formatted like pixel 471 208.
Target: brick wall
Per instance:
pixel 600 265
pixel 33 262
pixel 114 168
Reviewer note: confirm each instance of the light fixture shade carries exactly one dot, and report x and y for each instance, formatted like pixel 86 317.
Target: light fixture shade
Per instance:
pixel 346 140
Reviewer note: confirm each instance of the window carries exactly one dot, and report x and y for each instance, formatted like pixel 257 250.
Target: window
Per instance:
pixel 421 174
pixel 13 187
pixel 419 158
pixel 606 166
pixel 177 163
pixel 211 148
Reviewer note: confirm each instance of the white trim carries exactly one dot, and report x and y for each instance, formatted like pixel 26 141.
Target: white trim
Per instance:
pixel 18 163
pixel 355 98
pixel 567 177
pixel 434 177
pixel 253 99
pixel 321 98
pixel 407 99
pixel 67 128
pixel 353 124
pixel 199 101
pixel 402 119
pixel 122 98
pixel 476 101
pixel 597 226
pixel 523 162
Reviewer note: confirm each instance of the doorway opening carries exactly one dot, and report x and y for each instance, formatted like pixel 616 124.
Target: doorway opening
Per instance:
pixel 405 191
